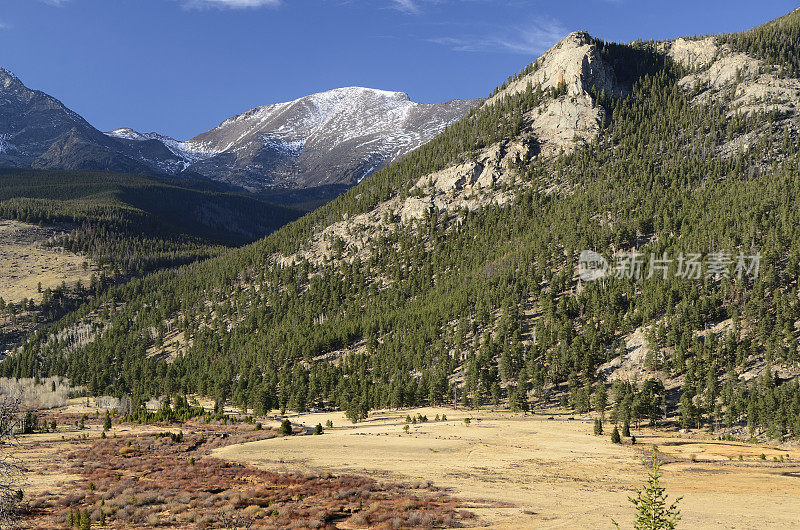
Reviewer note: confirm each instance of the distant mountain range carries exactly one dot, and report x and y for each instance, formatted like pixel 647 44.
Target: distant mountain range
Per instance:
pixel 331 139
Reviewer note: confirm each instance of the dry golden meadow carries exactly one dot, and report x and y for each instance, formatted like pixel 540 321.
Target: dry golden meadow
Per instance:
pixel 516 471
pixel 25 262
pixel 500 470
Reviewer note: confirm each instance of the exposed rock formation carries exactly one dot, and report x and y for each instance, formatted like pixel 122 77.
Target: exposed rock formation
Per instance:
pixel 566 122
pixel 755 86
pixel 575 61
pixel 693 53
pixel 740 83
pixel 572 118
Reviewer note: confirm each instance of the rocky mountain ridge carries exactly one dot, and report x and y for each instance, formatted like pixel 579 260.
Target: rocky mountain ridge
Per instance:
pixel 333 138
pixel 38 131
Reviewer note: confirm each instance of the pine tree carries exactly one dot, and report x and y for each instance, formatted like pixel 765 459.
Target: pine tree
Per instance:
pixel 86 522
pixel 598 426
pixel 285 428
pixel 600 401
pixel 689 416
pixel 518 399
pixel 652 510
pixel 615 436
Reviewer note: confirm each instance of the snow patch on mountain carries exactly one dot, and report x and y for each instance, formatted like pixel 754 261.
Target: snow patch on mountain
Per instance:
pixel 188 154
pixel 5 145
pixel 334 137
pixel 291 147
pixel 338 136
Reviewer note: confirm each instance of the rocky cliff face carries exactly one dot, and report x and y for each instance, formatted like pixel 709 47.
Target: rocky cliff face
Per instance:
pixel 741 84
pixel 574 66
pixel 574 61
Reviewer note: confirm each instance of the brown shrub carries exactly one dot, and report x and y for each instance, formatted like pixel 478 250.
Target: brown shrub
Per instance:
pixel 158 487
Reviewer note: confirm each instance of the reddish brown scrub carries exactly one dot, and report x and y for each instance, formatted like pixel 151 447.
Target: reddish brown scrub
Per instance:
pixel 168 481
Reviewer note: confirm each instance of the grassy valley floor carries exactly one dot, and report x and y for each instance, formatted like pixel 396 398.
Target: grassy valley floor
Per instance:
pixel 516 471
pixel 163 476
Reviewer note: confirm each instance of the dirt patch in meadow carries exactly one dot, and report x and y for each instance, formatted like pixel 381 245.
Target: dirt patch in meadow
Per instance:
pixel 518 471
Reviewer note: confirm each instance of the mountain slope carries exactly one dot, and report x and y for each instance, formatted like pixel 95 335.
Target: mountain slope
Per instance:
pixel 134 223
pixel 331 138
pixel 327 141
pixel 452 273
pixel 37 130
pixel 125 225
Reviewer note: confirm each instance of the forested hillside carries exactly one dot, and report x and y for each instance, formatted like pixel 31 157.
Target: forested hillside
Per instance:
pixel 776 42
pixel 473 296
pixel 134 224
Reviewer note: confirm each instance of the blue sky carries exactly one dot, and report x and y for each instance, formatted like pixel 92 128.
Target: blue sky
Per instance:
pixel 179 67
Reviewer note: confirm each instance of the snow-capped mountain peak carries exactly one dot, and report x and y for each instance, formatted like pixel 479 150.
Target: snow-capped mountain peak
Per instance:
pixel 333 138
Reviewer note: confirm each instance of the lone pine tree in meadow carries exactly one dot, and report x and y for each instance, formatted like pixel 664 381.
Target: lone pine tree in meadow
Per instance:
pixel 652 509
pixel 285 428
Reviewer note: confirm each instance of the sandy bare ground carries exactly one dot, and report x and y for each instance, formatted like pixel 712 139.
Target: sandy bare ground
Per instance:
pixel 555 473
pixel 25 261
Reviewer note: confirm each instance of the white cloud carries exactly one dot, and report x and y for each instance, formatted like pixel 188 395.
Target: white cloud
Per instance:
pixel 232 4
pixel 407 6
pixel 530 39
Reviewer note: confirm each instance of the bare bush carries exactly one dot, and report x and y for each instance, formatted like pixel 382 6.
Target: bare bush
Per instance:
pixel 142 480
pixel 10 469
pixel 107 402
pixel 233 520
pixel 154 404
pixel 46 393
